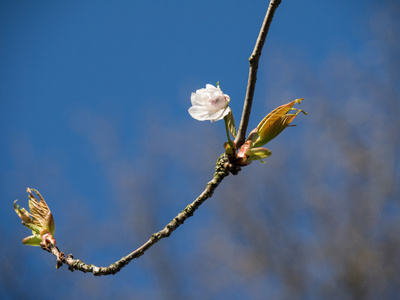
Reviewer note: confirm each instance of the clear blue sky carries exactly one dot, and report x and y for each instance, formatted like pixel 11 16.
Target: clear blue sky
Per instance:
pixel 94 98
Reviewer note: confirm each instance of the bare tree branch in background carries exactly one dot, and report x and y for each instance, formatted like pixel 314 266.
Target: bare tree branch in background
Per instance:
pixel 335 233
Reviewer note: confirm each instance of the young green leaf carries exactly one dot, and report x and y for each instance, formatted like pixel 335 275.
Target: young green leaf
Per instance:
pixel 231 124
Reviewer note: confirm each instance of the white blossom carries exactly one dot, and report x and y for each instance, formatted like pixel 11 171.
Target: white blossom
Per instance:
pixel 209 104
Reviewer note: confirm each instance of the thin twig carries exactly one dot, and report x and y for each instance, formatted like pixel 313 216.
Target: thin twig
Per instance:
pixel 253 62
pixel 75 264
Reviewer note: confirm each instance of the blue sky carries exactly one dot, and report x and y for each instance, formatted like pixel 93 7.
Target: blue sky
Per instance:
pixel 94 98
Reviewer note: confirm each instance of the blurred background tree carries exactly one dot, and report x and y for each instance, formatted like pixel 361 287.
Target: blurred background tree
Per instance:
pixel 319 221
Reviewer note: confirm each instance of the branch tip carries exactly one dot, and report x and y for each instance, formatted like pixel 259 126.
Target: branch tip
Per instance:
pixel 253 62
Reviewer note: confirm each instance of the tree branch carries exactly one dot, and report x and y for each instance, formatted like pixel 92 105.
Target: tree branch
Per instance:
pixel 253 62
pixel 75 264
pixel 223 168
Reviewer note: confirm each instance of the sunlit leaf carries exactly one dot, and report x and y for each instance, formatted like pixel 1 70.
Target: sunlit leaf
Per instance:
pixel 275 122
pixel 39 220
pixel 231 124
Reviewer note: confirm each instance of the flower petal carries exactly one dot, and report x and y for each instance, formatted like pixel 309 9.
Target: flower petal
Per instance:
pixel 219 115
pixel 211 87
pixel 199 113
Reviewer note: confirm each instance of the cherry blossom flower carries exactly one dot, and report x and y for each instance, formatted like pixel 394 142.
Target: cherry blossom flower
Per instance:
pixel 209 103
